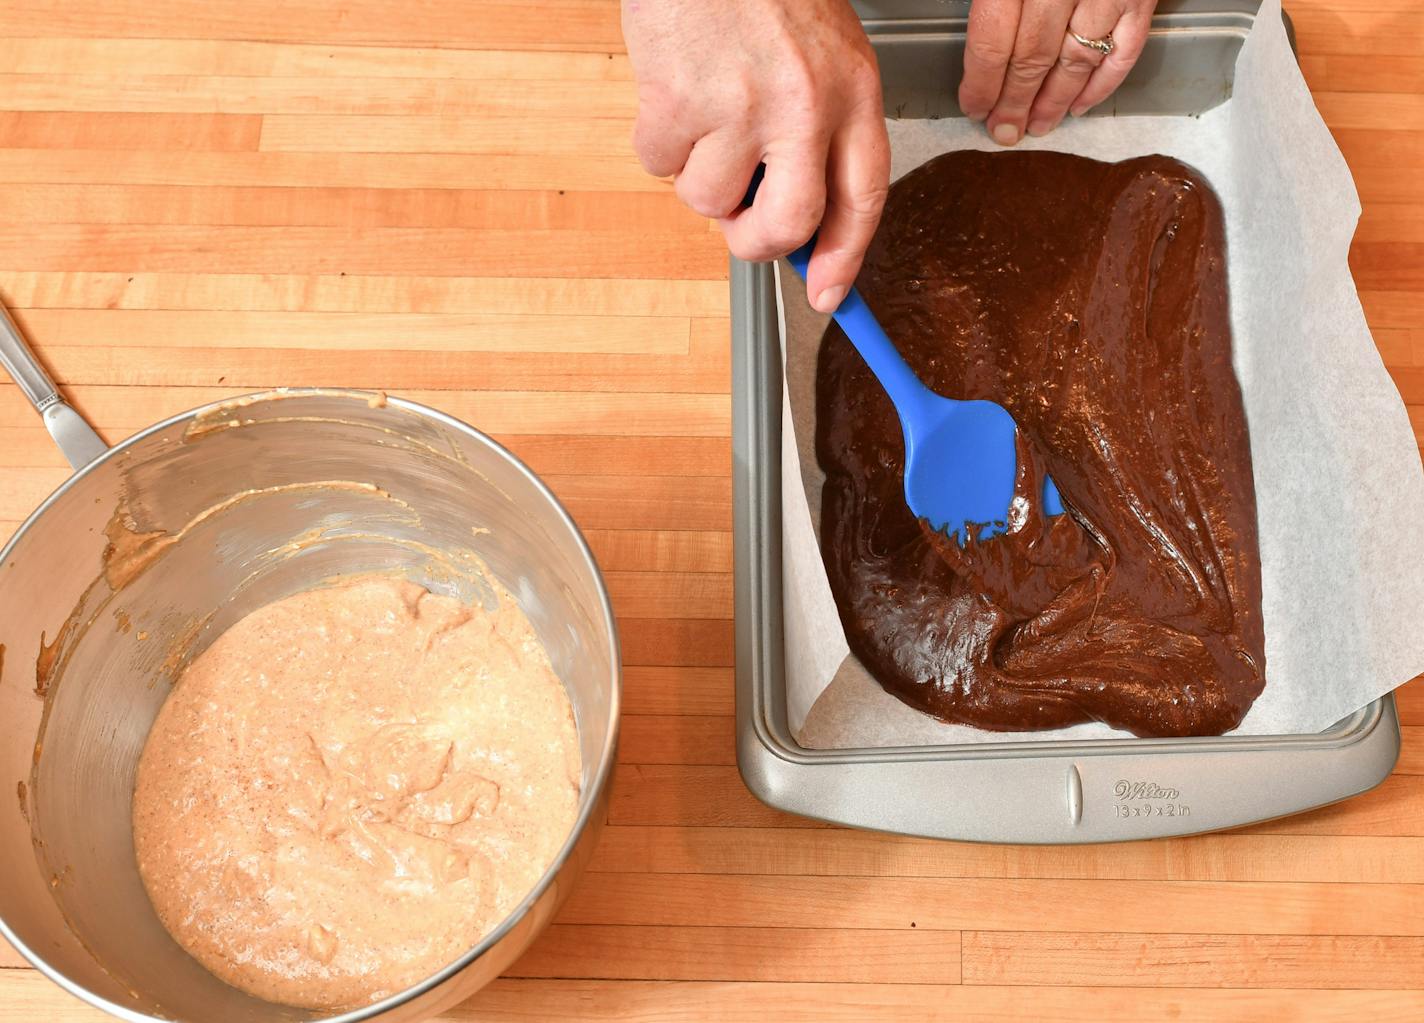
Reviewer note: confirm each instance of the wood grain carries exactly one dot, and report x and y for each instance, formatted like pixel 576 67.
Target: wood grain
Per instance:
pixel 257 206
pixel 542 1001
pixel 1190 960
pixel 1015 904
pixel 48 129
pixel 744 953
pixel 511 24
pixel 348 170
pixel 437 199
pixel 435 251
pixel 336 293
pixel 839 852
pixel 246 57
pixel 122 410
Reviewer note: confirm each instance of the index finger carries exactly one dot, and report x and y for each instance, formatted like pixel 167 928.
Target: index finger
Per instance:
pixel 788 205
pixel 857 180
pixel 993 26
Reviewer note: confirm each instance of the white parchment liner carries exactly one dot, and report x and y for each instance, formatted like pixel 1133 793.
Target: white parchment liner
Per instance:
pixel 1339 487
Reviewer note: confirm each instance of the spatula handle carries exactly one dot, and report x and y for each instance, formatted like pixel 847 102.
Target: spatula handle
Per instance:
pixel 873 344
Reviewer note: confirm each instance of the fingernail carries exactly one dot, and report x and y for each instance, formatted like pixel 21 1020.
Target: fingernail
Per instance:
pixel 829 300
pixel 1006 134
pixel 1079 111
pixel 1040 127
pixel 977 116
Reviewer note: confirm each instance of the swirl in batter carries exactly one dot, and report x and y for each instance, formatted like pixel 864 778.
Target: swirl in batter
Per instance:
pixel 1090 300
pixel 351 787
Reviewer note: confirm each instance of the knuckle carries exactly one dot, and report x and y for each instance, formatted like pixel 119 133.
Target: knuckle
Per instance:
pixel 706 198
pixel 753 250
pixel 973 98
pixel 740 96
pixel 1029 67
pixel 863 80
pixel 802 118
pixel 1077 64
pixel 652 147
pixel 801 92
pixel 870 203
pixel 658 105
pixel 654 159
pixel 985 51
pixel 783 231
pixel 863 205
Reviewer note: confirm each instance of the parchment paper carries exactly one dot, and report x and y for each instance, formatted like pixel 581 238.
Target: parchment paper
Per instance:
pixel 1339 487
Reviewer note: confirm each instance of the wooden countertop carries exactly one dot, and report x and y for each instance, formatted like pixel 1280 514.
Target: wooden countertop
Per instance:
pixel 205 197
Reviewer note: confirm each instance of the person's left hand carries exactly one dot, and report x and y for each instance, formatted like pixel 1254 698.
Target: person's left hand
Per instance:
pixel 1023 70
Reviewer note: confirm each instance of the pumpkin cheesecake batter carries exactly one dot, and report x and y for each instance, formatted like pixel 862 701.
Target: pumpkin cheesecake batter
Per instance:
pixel 352 786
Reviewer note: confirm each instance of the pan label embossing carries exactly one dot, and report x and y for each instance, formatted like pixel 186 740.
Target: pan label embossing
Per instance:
pixel 1143 790
pixel 1147 799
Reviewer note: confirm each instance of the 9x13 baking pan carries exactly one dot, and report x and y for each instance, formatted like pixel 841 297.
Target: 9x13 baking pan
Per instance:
pixel 1017 790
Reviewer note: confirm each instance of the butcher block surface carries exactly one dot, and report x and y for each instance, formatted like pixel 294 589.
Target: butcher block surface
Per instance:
pixel 437 198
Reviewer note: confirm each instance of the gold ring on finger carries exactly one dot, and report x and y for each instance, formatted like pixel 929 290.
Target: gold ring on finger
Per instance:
pixel 1105 45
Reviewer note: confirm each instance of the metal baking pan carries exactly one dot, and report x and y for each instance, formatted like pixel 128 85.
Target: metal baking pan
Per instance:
pixel 1017 790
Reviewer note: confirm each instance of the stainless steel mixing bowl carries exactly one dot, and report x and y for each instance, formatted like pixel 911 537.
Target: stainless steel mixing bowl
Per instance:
pixel 260 493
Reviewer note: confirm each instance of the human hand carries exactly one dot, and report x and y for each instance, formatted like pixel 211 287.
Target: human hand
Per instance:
pixel 1023 70
pixel 724 85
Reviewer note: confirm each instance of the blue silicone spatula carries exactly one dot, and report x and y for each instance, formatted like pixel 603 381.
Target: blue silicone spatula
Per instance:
pixel 960 462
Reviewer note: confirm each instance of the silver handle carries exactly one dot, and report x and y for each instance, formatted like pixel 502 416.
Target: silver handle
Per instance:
pixel 75 437
pixel 21 364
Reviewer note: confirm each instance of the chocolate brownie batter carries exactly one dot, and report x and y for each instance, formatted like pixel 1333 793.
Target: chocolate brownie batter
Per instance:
pixel 1089 299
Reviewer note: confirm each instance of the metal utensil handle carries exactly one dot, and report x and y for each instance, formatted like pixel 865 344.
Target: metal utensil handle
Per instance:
pixel 75 437
pixel 20 362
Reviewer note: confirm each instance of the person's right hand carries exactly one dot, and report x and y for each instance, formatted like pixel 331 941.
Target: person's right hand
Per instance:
pixel 724 85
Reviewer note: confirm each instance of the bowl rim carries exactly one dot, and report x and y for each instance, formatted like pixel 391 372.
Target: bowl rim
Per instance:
pixel 589 799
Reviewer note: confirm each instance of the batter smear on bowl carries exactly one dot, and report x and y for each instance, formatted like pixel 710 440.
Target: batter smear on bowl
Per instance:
pixel 1089 299
pixel 351 787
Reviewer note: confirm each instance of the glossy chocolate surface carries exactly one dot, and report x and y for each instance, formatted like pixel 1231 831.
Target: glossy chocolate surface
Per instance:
pixel 1090 300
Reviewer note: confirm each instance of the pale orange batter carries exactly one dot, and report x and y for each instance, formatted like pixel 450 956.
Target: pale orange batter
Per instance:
pixel 352 786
